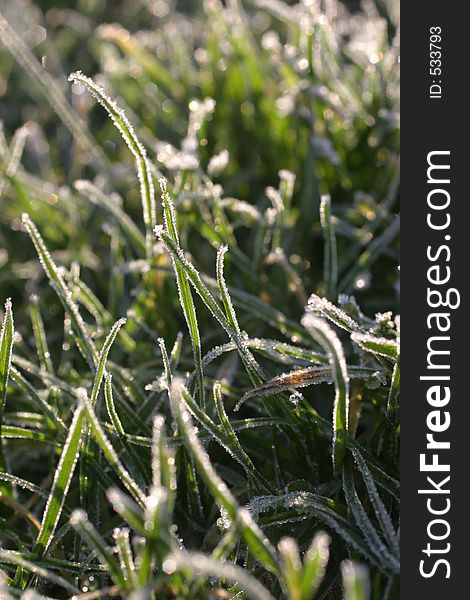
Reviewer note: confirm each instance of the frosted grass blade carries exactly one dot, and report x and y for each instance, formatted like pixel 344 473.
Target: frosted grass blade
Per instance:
pixel 329 341
pixel 126 130
pixel 135 463
pixel 223 289
pixel 223 437
pixel 255 539
pixel 184 290
pixel 6 348
pixel 314 563
pixel 380 346
pixel 82 337
pixel 102 358
pixel 191 273
pixel 198 565
pixel 60 485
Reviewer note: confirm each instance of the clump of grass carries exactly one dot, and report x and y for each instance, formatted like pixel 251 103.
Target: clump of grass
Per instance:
pixel 167 427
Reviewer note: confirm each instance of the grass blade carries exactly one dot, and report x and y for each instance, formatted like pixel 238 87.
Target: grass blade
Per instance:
pixel 60 485
pixel 82 337
pixel 110 453
pixel 118 116
pixel 6 348
pixel 329 341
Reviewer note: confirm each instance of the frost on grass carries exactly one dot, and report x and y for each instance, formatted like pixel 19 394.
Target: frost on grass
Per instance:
pixel 124 126
pixel 324 308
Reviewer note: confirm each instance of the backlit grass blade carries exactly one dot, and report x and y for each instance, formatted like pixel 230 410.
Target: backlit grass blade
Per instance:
pixel 6 348
pixel 314 561
pixel 330 261
pixel 193 276
pixel 255 539
pixel 382 516
pixel 329 341
pixel 355 581
pixel 388 560
pixel 380 346
pixel 102 358
pixel 62 479
pixel 82 337
pixel 224 292
pixel 199 565
pixel 126 130
pixel 291 566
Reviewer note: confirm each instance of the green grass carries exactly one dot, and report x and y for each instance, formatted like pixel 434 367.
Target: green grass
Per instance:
pixel 199 363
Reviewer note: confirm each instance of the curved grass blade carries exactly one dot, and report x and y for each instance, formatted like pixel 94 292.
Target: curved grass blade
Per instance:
pixel 224 292
pixel 14 558
pixel 134 459
pixel 324 308
pixel 225 439
pixel 252 367
pixel 82 337
pixel 329 341
pixel 118 116
pixel 39 332
pixel 102 358
pixel 301 378
pixel 6 348
pixel 184 290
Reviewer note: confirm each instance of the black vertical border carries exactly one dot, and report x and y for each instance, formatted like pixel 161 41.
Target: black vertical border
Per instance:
pixel 427 125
